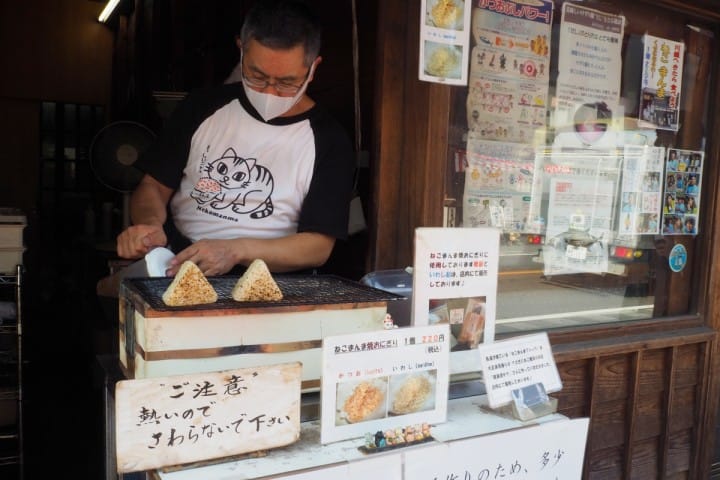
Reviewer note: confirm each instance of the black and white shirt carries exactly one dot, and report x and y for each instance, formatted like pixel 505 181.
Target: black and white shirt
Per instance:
pixel 236 176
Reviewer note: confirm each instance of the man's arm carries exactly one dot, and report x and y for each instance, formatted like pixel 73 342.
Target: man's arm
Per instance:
pixel 148 212
pixel 294 252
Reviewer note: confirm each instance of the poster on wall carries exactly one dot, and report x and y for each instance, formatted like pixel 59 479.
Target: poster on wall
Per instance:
pixel 681 200
pixel 661 82
pixel 589 60
pixel 641 190
pixel 444 41
pixel 509 69
pixel 500 181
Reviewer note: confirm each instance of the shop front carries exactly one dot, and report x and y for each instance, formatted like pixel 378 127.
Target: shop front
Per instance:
pixel 586 132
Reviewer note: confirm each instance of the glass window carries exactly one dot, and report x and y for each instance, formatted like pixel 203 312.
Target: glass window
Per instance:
pixel 580 136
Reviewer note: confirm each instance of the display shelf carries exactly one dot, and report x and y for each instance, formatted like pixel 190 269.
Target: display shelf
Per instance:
pixel 11 379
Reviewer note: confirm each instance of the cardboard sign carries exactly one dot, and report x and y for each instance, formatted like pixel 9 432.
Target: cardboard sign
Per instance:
pixel 515 363
pixel 186 418
pixel 387 379
pixel 550 451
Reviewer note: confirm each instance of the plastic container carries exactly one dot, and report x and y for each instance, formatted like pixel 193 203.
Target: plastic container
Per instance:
pixel 398 281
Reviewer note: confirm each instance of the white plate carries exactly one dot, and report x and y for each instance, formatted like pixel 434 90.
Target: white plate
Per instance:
pixel 441 60
pixel 450 22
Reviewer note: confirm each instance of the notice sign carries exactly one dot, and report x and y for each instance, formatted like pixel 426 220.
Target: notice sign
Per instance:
pixel 444 41
pixel 515 363
pixel 455 282
pixel 384 379
pixel 550 451
pixel 186 418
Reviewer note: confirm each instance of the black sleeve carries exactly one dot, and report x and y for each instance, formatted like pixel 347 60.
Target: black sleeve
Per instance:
pixel 327 204
pixel 166 158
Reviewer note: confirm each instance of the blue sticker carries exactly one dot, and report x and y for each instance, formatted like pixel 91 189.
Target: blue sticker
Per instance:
pixel 678 258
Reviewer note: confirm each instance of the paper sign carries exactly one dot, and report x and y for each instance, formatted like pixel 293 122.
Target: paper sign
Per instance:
pixel 385 379
pixel 515 363
pixel 550 451
pixel 661 82
pixel 444 41
pixel 186 418
pixel 455 282
pixel 681 201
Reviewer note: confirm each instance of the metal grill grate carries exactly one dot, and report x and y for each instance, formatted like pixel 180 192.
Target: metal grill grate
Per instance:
pixel 297 290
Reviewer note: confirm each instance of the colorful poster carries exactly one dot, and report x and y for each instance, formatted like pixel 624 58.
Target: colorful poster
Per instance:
pixel 589 60
pixel 500 181
pixel 444 41
pixel 683 180
pixel 509 69
pixel 661 82
pixel 641 190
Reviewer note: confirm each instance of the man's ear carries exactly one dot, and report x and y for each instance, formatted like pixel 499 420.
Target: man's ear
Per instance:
pixel 314 67
pixel 238 42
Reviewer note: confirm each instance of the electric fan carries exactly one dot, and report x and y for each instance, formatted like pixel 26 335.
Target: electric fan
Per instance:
pixel 113 152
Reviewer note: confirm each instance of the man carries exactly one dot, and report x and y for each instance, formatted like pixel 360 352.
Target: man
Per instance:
pixel 253 169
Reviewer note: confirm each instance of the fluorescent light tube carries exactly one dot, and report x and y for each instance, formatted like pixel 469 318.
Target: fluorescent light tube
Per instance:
pixel 108 10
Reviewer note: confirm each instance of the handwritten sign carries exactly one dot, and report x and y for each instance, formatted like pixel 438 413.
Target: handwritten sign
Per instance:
pixel 550 451
pixel 515 363
pixel 186 418
pixel 386 379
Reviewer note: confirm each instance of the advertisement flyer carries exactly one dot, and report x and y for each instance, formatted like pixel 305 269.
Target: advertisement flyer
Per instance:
pixel 444 41
pixel 589 60
pixel 500 181
pixel 641 190
pixel 579 225
pixel 661 82
pixel 683 180
pixel 509 69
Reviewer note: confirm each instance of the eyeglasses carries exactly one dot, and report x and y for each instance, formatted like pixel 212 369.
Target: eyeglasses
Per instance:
pixel 262 83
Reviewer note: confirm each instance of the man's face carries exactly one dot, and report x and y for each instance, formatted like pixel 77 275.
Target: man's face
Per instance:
pixel 278 72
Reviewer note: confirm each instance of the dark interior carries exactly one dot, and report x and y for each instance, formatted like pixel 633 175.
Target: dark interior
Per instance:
pixel 158 50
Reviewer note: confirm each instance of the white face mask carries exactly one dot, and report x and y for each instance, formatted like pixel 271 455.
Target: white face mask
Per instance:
pixel 270 106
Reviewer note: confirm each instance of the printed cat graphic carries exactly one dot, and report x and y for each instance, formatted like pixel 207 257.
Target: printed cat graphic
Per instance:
pixel 236 182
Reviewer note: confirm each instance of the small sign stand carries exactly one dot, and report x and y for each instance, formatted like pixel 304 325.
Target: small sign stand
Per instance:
pixel 531 402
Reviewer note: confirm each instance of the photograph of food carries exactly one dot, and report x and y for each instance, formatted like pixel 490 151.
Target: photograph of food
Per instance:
pixel 412 392
pixel 443 60
pixel 473 325
pixel 361 401
pixel 445 14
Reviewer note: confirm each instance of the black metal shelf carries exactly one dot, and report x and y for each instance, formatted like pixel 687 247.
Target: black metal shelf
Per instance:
pixel 11 383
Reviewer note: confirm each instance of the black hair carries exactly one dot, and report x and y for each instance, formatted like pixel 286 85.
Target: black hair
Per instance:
pixel 283 24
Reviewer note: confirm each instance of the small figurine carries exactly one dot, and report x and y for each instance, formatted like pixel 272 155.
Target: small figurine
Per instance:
pixel 388 322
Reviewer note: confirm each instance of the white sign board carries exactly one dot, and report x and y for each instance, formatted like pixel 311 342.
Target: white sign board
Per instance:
pixel 186 418
pixel 385 379
pixel 550 451
pixel 455 282
pixel 515 363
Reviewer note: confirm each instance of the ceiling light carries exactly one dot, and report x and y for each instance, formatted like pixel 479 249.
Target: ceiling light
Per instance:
pixel 108 10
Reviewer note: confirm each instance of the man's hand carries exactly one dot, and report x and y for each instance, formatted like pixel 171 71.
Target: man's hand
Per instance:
pixel 213 257
pixel 138 240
